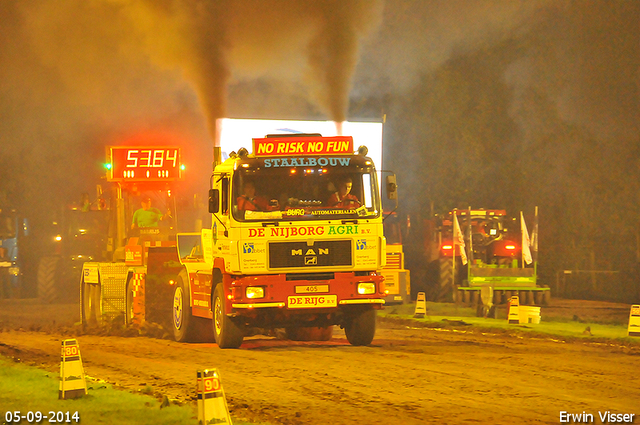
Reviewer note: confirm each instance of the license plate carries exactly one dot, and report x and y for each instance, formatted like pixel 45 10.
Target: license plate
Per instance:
pixel 310 289
pixel 312 301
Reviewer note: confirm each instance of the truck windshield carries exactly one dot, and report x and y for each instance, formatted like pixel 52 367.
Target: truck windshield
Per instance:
pixel 309 188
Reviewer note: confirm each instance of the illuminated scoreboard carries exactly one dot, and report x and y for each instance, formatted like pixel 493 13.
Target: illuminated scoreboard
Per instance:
pixel 143 164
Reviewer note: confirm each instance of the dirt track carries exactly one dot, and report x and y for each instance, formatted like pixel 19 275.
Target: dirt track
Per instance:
pixel 408 375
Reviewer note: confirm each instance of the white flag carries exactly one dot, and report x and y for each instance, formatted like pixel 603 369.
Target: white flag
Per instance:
pixel 526 243
pixel 458 239
pixel 534 237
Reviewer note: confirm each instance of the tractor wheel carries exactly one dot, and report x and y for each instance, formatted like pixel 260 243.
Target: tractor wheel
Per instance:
pixel 446 282
pixel 186 327
pixel 47 279
pixel 90 303
pixel 310 334
pixel 227 332
pixel 361 328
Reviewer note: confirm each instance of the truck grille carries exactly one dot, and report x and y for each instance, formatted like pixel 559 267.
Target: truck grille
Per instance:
pixel 310 276
pixel 300 254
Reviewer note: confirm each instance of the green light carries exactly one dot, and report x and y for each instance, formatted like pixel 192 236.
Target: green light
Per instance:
pixel 107 166
pixel 182 167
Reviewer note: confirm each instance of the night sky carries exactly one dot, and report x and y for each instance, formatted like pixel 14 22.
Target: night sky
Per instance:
pixel 493 104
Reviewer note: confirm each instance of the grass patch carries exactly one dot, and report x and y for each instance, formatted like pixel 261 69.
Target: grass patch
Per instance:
pixel 450 315
pixel 25 388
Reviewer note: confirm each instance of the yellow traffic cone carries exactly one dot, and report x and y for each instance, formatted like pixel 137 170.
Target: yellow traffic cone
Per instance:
pixel 514 315
pixel 212 404
pixel 421 305
pixel 634 321
pixel 72 380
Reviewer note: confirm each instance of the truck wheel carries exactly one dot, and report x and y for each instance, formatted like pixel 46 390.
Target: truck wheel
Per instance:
pixel 47 279
pixel 361 329
pixel 227 333
pixel 90 304
pixel 186 327
pixel 181 312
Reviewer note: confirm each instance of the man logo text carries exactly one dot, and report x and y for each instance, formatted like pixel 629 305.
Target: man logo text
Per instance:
pixel 310 251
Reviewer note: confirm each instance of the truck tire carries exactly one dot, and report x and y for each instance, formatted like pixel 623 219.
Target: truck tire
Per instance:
pixel 361 328
pixel 47 279
pixel 227 333
pixel 181 313
pixel 90 304
pixel 186 327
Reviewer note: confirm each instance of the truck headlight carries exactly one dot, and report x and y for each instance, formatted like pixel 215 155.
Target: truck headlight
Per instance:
pixel 365 288
pixel 253 292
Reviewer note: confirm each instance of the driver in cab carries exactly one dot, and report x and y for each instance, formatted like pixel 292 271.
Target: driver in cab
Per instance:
pixel 343 198
pixel 249 201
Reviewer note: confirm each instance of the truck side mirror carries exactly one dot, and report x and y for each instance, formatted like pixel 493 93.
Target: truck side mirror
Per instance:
pixel 392 187
pixel 214 201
